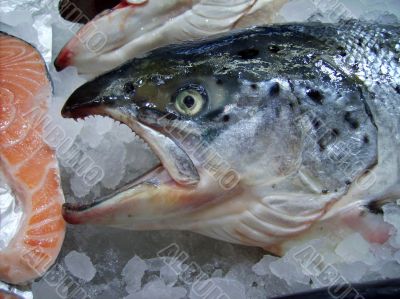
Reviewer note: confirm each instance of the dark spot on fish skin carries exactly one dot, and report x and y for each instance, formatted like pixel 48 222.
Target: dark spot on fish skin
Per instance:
pixel 248 53
pixel 273 186
pixel 273 49
pixel 326 139
pixel 397 88
pixel 254 86
pixel 366 139
pixel 335 132
pixel 130 215
pixel 291 105
pixel 226 118
pixel 347 182
pixel 375 50
pixel 325 191
pixel 219 81
pixel 359 42
pixel 315 95
pixel 355 67
pixel 254 284
pixel 316 123
pixel 342 51
pixel 129 88
pixel 274 90
pixel 354 124
pixel 321 145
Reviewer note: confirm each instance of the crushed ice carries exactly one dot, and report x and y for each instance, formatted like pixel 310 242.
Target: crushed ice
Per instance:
pixel 231 270
pixel 80 265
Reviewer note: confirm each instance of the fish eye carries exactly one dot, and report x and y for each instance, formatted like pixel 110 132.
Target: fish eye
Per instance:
pixel 190 100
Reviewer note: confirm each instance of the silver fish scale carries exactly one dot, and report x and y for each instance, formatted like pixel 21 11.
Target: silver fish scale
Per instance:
pixel 374 57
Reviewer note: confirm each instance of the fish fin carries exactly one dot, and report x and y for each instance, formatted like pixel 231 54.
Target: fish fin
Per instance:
pixel 270 220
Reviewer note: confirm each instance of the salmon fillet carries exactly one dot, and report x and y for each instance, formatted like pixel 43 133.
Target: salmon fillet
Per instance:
pixel 28 164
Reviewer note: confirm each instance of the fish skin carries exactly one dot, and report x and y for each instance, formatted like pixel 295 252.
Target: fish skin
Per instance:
pixel 303 114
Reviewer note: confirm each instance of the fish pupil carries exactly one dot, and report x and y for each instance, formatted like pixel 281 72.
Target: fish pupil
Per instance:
pixel 188 101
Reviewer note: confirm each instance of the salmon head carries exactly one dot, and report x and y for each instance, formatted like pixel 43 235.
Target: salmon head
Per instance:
pixel 249 129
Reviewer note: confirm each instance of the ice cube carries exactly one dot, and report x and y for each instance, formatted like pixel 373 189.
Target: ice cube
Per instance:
pixel 89 134
pixel 289 271
pixel 104 125
pixel 262 267
pixel 297 10
pixel 352 271
pixel 43 290
pixel 125 134
pixel 397 256
pixel 110 157
pixel 214 288
pixel 79 187
pixel 155 264
pixel 170 274
pixel 133 273
pixel 391 215
pixel 354 248
pixel 157 289
pixel 80 265
pixel 217 273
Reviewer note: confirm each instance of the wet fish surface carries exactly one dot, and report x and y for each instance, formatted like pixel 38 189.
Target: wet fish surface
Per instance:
pixel 265 136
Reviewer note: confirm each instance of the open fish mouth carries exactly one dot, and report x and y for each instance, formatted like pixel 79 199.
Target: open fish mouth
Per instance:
pixel 176 171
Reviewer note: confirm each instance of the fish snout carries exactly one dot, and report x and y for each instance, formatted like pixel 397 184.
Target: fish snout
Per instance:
pixel 94 97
